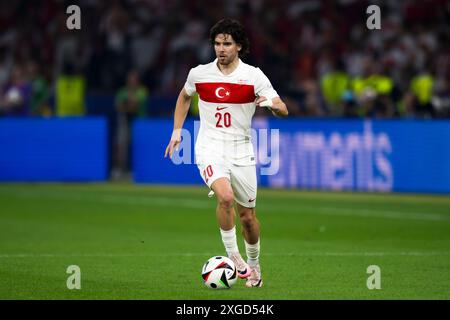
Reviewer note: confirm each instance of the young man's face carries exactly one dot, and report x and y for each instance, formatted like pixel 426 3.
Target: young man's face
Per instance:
pixel 226 48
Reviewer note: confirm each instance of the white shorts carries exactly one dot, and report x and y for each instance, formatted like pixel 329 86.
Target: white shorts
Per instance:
pixel 242 178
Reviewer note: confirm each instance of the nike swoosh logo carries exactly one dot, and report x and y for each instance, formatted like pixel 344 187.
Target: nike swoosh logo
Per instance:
pixel 251 200
pixel 220 108
pixel 243 271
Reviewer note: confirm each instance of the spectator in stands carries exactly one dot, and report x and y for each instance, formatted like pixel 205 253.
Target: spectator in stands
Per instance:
pixel 373 91
pixel 334 85
pixel 421 91
pixel 70 92
pixel 131 102
pixel 39 105
pixel 441 98
pixel 15 96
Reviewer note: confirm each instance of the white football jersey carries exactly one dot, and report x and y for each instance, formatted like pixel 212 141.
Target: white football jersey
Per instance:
pixel 226 107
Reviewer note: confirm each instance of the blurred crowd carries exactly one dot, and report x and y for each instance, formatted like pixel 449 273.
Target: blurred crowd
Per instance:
pixel 319 55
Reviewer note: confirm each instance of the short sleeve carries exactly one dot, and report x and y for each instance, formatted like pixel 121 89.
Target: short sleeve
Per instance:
pixel 263 87
pixel 189 86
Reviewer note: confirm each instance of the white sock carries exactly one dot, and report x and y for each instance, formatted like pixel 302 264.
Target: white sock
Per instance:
pixel 229 240
pixel 252 251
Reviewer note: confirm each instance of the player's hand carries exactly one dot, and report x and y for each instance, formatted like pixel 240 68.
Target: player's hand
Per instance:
pixel 175 140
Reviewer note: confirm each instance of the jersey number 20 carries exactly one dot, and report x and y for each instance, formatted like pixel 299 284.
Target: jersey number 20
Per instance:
pixel 226 120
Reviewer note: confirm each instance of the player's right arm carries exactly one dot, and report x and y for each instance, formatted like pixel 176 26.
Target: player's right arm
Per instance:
pixel 181 111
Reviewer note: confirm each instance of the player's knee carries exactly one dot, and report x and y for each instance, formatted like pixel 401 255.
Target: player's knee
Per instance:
pixel 226 199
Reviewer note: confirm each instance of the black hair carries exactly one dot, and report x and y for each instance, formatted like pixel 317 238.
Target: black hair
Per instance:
pixel 233 28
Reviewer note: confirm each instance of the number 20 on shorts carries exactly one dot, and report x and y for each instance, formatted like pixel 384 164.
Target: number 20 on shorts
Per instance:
pixel 208 172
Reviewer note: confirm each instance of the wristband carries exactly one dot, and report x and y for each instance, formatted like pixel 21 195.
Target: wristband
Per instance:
pixel 266 103
pixel 176 135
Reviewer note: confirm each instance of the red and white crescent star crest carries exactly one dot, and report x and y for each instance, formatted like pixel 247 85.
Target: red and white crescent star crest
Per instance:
pixel 222 93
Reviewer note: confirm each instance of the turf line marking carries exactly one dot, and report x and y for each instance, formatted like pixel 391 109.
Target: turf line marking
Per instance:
pixel 206 254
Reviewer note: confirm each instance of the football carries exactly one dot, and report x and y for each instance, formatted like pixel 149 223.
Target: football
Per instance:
pixel 219 273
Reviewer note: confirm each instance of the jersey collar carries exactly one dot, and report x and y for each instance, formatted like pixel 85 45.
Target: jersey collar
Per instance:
pixel 227 75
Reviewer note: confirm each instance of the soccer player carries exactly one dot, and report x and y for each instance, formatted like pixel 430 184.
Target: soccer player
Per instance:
pixel 229 91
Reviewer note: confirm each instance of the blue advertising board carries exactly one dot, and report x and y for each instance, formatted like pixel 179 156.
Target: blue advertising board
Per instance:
pixel 323 154
pixel 54 149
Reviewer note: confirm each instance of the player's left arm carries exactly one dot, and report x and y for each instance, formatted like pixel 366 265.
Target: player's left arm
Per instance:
pixel 276 105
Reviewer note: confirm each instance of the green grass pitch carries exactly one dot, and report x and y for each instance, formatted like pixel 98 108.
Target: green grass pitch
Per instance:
pixel 150 242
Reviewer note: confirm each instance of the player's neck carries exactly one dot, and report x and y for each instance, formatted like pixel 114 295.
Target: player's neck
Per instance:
pixel 228 68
